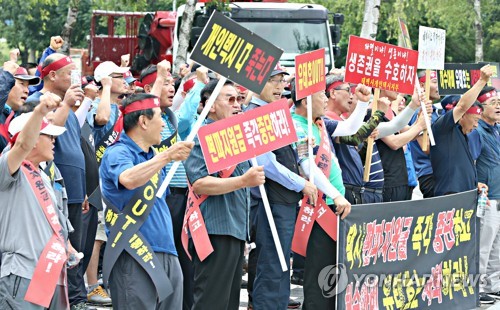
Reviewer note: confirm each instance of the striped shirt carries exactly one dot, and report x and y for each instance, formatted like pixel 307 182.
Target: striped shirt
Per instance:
pixel 179 179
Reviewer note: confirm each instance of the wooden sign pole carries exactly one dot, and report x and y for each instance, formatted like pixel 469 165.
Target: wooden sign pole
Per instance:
pixel 425 141
pixel 369 146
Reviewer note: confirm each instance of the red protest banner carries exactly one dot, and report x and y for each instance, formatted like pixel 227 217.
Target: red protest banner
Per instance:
pixel 381 65
pixel 310 73
pixel 242 137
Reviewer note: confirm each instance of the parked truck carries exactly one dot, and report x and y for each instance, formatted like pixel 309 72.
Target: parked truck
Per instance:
pixel 151 37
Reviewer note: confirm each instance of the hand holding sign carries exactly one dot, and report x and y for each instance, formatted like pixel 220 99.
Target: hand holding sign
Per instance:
pixel 342 206
pixel 179 151
pixel 254 177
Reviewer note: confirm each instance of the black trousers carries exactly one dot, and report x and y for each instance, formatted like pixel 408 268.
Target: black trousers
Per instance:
pixel 396 193
pixel 321 252
pixel 353 196
pixel 254 254
pixel 89 229
pixel 217 279
pixel 427 184
pixel 176 202
pixel 76 284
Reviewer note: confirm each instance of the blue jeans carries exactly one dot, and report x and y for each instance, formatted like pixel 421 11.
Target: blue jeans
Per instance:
pixel 272 286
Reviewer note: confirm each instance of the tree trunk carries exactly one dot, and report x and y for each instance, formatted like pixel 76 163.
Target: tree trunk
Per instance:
pixel 370 19
pixel 478 26
pixel 69 25
pixel 185 34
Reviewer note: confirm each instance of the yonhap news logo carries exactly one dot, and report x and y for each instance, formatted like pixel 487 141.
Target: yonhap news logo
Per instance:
pixel 332 280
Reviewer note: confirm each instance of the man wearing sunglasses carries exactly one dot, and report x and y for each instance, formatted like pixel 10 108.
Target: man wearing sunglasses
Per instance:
pixel 285 188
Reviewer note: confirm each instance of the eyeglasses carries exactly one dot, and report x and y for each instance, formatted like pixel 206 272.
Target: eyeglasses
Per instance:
pixel 230 99
pixel 276 82
pixel 347 89
pixel 493 103
pixel 117 76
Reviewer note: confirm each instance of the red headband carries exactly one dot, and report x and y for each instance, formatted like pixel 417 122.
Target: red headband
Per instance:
pixel 433 76
pixel 151 78
pixel 188 84
pixel 492 93
pixel 474 110
pixel 334 85
pixel 145 104
pixel 56 65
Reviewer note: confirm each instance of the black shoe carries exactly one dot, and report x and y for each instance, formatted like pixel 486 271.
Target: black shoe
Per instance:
pixel 297 280
pixel 244 284
pixel 495 295
pixel 293 304
pixel 485 299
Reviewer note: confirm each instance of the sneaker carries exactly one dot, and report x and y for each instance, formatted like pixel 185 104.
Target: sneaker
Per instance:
pixel 82 306
pixel 495 295
pixel 293 304
pixel 485 299
pixel 99 297
pixel 297 280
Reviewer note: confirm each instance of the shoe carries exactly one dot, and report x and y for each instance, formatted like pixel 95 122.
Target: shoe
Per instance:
pixel 495 295
pixel 82 306
pixel 244 284
pixel 297 280
pixel 99 297
pixel 293 304
pixel 485 299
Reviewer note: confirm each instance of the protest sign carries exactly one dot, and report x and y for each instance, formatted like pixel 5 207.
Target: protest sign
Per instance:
pixel 244 136
pixel 380 65
pixel 431 48
pixel 457 78
pixel 410 255
pixel 236 53
pixel 310 76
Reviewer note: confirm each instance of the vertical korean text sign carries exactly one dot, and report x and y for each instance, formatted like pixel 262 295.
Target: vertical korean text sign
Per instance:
pixel 236 53
pixel 309 73
pixel 381 65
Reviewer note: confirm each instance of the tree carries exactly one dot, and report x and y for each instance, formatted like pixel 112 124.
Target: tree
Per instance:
pixel 478 27
pixel 69 25
pixel 370 19
pixel 185 33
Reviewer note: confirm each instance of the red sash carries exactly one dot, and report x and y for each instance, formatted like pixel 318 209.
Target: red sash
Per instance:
pixel 4 128
pixel 322 214
pixel 53 257
pixel 110 137
pixel 193 221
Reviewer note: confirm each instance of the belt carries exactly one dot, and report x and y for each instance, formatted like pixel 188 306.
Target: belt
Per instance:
pixel 178 190
pixel 362 189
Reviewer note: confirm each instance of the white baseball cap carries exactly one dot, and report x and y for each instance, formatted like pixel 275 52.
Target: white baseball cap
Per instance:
pixel 47 128
pixel 106 69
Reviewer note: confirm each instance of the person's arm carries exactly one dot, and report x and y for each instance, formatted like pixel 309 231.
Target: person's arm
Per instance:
pixel 56 43
pixel 365 131
pixel 28 137
pixel 187 111
pixel 396 124
pixel 352 124
pixel 140 174
pixel 103 112
pixel 397 141
pixel 81 113
pixel 212 186
pixel 162 73
pixel 73 94
pixel 279 173
pixel 320 179
pixel 468 99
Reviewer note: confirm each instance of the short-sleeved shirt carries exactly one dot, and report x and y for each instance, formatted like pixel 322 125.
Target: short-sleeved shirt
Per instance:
pixel 68 156
pixel 24 229
pixel 100 130
pixel 452 162
pixel 335 177
pixel 123 155
pixel 223 214
pixel 179 178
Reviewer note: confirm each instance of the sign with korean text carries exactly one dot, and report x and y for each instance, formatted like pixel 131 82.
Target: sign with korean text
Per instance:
pixel 431 48
pixel 418 254
pixel 457 78
pixel 239 138
pixel 236 53
pixel 381 65
pixel 310 76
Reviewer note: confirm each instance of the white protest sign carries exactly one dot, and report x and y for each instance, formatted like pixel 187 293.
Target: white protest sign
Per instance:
pixel 431 48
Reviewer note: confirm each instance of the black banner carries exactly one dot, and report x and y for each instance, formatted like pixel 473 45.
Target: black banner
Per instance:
pixel 236 53
pixel 124 235
pixel 409 255
pixel 457 78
